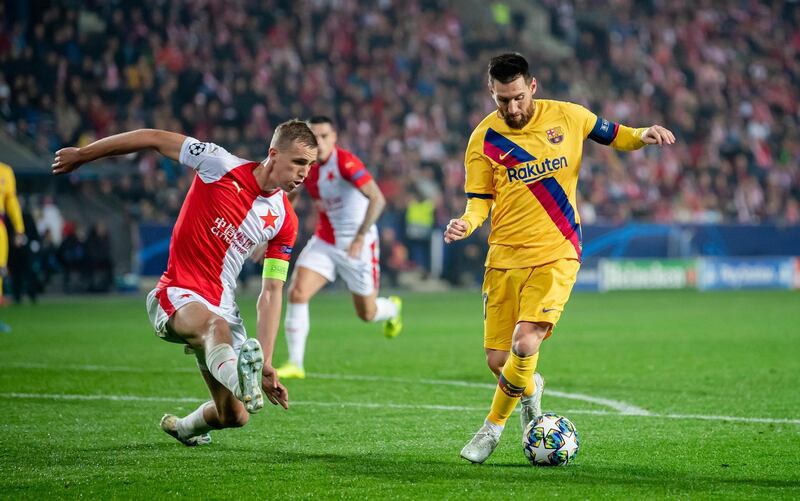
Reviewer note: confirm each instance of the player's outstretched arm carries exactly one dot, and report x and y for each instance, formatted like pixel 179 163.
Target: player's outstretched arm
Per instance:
pixel 374 209
pixel 658 135
pixel 625 138
pixel 268 320
pixel 167 143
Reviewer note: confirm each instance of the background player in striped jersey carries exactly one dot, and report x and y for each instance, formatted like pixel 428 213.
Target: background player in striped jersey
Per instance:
pixel 232 206
pixel 522 162
pixel 345 243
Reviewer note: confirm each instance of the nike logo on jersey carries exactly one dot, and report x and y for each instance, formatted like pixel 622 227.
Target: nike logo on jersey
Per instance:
pixel 503 157
pixel 548 310
pixel 503 150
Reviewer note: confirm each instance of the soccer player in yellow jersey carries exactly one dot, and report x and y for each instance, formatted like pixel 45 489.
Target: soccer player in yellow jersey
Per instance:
pixel 522 162
pixel 8 205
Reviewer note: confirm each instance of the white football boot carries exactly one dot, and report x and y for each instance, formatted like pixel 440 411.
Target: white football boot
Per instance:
pixel 481 446
pixel 531 407
pixel 169 423
pixel 249 365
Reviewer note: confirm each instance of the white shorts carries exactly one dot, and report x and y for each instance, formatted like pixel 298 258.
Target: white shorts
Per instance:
pixel 163 303
pixel 361 275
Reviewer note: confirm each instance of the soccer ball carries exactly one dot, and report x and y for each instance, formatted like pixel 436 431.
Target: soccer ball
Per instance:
pixel 550 440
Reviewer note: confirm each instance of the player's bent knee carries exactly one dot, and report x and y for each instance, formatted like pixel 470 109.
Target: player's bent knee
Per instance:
pixel 217 325
pixel 217 331
pixel 529 336
pixel 537 330
pixel 297 295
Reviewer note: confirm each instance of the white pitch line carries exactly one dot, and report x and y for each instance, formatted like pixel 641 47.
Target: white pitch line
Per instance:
pixel 112 398
pixel 373 405
pixel 619 406
pixel 136 398
pixel 99 368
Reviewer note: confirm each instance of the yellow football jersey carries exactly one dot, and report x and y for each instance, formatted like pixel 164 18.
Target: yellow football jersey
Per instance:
pixel 529 178
pixel 8 198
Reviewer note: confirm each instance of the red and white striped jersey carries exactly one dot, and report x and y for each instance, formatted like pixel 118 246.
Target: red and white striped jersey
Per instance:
pixel 224 217
pixel 335 183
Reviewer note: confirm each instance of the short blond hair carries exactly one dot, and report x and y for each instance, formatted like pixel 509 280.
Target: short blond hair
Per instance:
pixel 290 131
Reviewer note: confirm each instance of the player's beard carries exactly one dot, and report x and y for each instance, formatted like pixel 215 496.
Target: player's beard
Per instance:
pixel 521 121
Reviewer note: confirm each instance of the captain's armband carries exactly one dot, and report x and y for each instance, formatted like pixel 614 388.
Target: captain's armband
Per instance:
pixel 275 268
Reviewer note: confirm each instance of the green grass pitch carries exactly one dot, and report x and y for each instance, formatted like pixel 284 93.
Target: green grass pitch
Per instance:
pixel 649 379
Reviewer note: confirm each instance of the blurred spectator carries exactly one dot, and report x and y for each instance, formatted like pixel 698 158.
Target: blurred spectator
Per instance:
pixel 73 259
pixel 98 257
pixel 48 261
pixel 393 257
pixel 23 261
pixel 49 220
pixel 419 228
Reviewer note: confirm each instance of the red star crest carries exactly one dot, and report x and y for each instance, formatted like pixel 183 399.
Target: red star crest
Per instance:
pixel 269 219
pixel 331 177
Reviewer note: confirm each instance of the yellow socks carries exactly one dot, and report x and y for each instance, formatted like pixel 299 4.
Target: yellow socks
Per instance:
pixel 517 376
pixel 530 389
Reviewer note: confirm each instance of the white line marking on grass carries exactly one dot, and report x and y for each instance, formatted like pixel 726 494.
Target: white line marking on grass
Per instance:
pixel 99 368
pixel 373 405
pixel 622 407
pixel 737 419
pixel 113 398
pixel 137 398
pixel 619 406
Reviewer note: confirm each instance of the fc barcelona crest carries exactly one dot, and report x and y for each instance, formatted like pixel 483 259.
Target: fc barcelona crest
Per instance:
pixel 555 135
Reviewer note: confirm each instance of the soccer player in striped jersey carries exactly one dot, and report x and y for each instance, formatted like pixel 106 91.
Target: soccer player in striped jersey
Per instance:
pixel 522 162
pixel 233 207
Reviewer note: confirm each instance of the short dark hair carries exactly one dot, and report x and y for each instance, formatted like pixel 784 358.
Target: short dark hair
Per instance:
pixel 507 67
pixel 290 131
pixel 320 119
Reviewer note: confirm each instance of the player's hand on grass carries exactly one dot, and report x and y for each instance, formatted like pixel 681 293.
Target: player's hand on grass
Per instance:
pixel 456 230
pixel 658 135
pixel 67 160
pixel 273 389
pixel 354 251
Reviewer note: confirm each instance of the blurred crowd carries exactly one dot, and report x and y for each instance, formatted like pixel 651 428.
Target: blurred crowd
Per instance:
pixel 724 75
pixel 72 257
pixel 405 82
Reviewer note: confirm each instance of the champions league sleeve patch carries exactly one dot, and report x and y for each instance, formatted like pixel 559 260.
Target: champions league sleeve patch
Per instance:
pixel 197 148
pixel 604 131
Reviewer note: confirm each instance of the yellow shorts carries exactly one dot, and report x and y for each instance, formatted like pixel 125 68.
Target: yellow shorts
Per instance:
pixel 524 295
pixel 3 244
